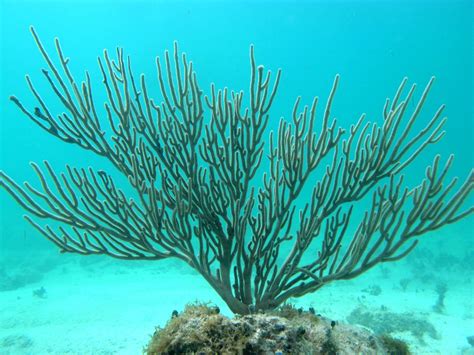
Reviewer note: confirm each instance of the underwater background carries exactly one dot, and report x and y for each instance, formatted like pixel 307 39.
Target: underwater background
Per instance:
pixel 53 303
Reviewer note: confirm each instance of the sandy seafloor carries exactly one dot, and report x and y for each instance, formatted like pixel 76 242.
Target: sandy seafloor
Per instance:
pixel 96 305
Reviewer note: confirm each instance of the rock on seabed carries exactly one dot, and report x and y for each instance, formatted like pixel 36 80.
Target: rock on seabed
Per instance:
pixel 200 329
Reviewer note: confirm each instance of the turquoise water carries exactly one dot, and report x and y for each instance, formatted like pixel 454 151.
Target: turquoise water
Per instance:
pixel 372 45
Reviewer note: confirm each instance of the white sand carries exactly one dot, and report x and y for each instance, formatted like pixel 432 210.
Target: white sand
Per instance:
pixel 101 306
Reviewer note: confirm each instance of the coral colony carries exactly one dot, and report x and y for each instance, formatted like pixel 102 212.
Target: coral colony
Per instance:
pixel 262 216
